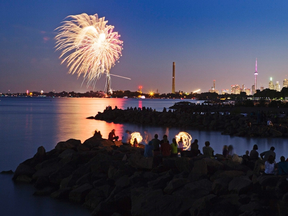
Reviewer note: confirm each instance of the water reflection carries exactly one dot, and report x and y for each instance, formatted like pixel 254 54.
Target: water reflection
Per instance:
pixel 72 122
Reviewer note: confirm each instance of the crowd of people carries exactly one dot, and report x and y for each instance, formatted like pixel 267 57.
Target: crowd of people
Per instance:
pixel 156 147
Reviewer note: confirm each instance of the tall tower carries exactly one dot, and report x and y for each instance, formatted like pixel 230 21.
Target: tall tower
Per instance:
pixel 173 78
pixel 255 74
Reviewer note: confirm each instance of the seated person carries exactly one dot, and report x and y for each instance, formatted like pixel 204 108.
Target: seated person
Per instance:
pixel 207 150
pixel 270 165
pixel 112 136
pixel 282 166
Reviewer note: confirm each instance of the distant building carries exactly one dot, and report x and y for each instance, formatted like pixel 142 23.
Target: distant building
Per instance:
pixel 253 89
pixel 285 83
pixel 235 89
pixel 277 86
pixel 271 85
pixel 213 88
pixel 248 92
pixel 225 91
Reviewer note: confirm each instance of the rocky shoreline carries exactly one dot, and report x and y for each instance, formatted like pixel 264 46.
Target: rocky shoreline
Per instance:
pixel 228 120
pixel 115 179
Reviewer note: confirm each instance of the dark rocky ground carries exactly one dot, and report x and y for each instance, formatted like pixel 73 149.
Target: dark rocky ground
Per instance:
pixel 118 180
pixel 229 120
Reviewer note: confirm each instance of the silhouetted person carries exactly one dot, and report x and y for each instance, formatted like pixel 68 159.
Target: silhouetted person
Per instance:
pixel 165 147
pixel 254 155
pixel 270 165
pixel 112 136
pixel 225 151
pixel 207 150
pixel 282 166
pixel 174 148
pixel 265 155
pixel 195 148
pixel 156 143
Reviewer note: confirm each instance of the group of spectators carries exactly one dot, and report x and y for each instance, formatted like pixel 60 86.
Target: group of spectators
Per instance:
pixel 268 157
pixel 156 147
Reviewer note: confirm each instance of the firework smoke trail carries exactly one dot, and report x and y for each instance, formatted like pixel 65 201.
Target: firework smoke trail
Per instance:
pixel 88 45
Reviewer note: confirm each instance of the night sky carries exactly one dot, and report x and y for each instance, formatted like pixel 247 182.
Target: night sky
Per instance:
pixel 207 39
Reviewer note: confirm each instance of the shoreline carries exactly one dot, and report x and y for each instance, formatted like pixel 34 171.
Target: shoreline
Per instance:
pixel 227 120
pixel 114 179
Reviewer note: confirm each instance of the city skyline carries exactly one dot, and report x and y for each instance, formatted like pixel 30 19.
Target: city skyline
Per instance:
pixel 207 41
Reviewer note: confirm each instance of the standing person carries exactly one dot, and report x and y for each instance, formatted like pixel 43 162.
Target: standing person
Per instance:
pixel 148 150
pixel 254 155
pixel 265 155
pixel 180 144
pixel 135 143
pixel 174 148
pixel 165 147
pixel 230 151
pixel 270 165
pixel 156 143
pixel 147 137
pixel 282 166
pixel 195 148
pixel 112 136
pixel 207 150
pixel 127 137
pixel 225 151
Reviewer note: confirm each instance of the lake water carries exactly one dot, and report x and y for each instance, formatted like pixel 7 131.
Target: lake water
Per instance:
pixel 27 123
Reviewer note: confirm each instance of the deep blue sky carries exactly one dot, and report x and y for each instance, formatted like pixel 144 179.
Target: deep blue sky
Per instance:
pixel 207 39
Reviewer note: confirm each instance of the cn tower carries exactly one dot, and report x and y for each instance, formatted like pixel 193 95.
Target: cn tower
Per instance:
pixel 255 74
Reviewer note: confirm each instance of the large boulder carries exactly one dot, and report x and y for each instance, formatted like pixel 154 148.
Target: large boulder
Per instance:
pixel 78 195
pixel 99 143
pixel 23 170
pixel 138 161
pixel 240 184
pixel 69 144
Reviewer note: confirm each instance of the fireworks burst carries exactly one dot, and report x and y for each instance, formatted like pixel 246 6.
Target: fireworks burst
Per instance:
pixel 88 45
pixel 186 138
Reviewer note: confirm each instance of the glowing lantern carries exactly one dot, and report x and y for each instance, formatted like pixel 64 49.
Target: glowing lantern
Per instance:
pixel 186 138
pixel 137 136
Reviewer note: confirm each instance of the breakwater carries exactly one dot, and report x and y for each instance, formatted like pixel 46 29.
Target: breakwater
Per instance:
pixel 115 179
pixel 245 122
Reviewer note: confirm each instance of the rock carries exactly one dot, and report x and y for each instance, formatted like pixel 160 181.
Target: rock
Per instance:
pixel 226 173
pixel 44 191
pixel 62 193
pixel 174 184
pixel 69 144
pixel 123 181
pixel 161 181
pixel 23 178
pixel 240 184
pixel 99 143
pixel 42 182
pixel 220 185
pixel 23 170
pixel 96 196
pixel 195 190
pixel 141 162
pixel 202 206
pixel 154 203
pixel 268 180
pixel 78 194
pixel 7 172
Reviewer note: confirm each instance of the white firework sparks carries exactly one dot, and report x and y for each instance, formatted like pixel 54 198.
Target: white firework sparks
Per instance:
pixel 88 45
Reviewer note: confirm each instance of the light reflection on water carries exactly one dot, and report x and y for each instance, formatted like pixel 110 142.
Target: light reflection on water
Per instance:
pixel 28 123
